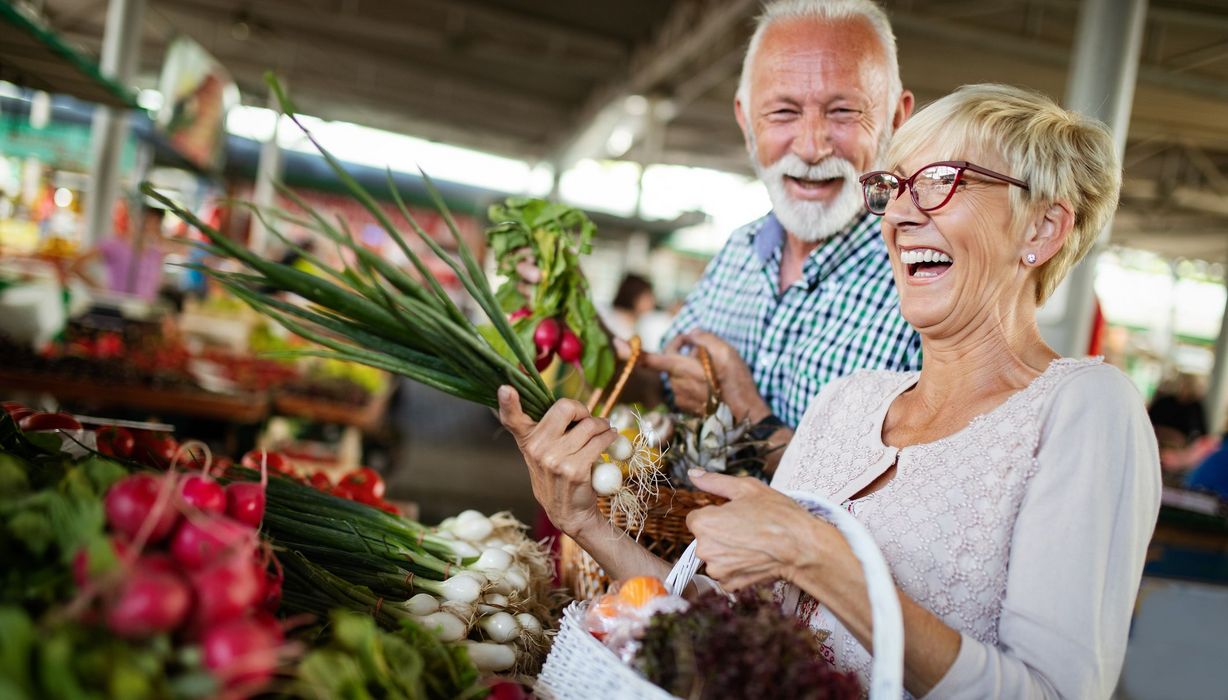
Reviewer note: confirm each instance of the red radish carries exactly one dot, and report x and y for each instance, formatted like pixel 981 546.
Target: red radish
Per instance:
pixel 522 312
pixel 546 337
pixel 270 598
pixel 542 361
pixel 114 441
pixel 204 493
pixel 226 590
pixel 320 482
pixel 570 348
pixel 149 602
pixel 200 541
pixel 241 651
pixel 48 421
pixel 245 503
pixel 132 500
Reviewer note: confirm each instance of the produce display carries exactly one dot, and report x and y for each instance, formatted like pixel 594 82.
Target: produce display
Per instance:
pixel 165 573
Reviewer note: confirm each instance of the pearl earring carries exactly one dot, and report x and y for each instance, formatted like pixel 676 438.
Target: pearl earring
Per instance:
pixel 1030 258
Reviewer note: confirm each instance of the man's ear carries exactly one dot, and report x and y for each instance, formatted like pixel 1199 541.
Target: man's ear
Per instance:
pixel 740 115
pixel 1049 231
pixel 903 109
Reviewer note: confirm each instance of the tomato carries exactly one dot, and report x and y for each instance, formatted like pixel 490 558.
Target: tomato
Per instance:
pixel 276 462
pixel 320 482
pixel 114 441
pixel 48 421
pixel 388 507
pixel 343 490
pixel 154 449
pixel 366 484
pixel 19 412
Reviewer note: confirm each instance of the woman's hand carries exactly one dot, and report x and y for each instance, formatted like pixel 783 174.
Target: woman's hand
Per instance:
pixel 762 535
pixel 560 452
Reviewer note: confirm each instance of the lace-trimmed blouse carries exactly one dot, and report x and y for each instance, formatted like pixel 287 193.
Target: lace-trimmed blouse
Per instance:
pixel 1026 531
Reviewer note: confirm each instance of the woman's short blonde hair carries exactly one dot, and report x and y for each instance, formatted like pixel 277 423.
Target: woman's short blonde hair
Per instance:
pixel 1062 155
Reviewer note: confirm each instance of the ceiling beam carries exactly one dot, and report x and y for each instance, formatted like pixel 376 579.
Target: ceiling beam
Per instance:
pixel 1003 43
pixel 691 29
pixel 554 33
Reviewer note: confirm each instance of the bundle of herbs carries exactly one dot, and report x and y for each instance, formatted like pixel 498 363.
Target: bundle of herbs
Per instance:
pixel 745 649
pixel 374 313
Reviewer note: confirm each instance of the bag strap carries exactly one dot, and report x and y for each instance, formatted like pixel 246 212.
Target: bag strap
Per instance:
pixel 887 667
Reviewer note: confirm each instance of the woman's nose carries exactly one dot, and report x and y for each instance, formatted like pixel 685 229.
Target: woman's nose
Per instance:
pixel 902 211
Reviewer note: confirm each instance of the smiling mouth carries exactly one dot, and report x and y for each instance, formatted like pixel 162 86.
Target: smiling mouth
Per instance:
pixel 925 263
pixel 813 184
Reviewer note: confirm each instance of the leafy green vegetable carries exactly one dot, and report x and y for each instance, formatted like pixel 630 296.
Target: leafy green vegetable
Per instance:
pixel 361 661
pixel 554 236
pixel 53 510
pixel 749 649
pixel 66 659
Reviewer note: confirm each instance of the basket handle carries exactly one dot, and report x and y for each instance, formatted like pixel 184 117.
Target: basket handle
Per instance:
pixel 887 667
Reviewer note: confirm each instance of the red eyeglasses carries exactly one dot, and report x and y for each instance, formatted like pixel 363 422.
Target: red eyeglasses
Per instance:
pixel 931 186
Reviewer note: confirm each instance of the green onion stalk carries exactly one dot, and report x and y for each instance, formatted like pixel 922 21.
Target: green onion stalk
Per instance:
pixel 372 312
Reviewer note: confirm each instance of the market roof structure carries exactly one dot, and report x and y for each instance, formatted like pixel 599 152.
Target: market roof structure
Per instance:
pixel 34 56
pixel 554 80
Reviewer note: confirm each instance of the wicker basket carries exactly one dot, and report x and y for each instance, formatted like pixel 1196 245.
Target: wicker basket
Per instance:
pixel 663 532
pixel 580 667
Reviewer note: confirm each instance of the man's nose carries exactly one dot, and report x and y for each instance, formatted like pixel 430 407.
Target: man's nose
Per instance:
pixel 813 143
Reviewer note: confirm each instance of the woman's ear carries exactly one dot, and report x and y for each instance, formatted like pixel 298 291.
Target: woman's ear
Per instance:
pixel 1048 233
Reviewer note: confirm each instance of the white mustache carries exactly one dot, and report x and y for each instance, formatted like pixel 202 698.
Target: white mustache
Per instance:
pixel 790 165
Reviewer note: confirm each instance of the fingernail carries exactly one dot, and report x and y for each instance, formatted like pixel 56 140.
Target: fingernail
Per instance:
pixel 696 473
pixel 503 391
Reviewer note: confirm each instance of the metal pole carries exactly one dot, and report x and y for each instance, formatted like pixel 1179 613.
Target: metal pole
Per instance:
pixel 1217 386
pixel 1101 85
pixel 121 44
pixel 268 170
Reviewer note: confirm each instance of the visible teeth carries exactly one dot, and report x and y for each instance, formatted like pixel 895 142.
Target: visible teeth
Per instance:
pixel 923 255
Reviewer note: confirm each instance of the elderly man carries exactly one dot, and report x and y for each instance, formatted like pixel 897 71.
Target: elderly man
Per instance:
pixel 804 295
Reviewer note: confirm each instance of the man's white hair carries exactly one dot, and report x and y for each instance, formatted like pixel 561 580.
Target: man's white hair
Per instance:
pixel 827 11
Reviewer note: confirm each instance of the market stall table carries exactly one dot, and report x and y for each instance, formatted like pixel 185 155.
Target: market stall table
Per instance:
pixel 231 408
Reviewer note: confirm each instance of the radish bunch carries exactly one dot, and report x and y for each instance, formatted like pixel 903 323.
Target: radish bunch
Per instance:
pixel 553 337
pixel 190 564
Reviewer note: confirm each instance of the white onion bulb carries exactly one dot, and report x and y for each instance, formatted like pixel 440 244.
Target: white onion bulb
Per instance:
pixel 607 478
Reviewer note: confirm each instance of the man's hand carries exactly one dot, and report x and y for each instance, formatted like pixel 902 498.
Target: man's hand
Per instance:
pixel 530 273
pixel 560 452
pixel 686 376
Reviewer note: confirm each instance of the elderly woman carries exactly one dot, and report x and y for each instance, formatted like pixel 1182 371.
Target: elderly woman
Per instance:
pixel 1011 491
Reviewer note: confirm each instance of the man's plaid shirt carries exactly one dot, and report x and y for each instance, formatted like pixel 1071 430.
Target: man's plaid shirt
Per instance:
pixel 841 316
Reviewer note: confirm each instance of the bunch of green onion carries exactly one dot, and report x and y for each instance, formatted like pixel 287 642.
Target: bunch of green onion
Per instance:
pixel 474 580
pixel 375 313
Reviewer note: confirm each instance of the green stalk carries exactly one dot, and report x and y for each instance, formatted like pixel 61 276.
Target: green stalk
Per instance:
pixel 480 288
pixel 406 284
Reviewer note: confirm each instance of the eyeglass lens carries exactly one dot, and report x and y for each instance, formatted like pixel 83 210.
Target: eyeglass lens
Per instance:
pixel 930 188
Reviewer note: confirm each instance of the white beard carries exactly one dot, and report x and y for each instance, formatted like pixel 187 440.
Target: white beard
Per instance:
pixel 808 220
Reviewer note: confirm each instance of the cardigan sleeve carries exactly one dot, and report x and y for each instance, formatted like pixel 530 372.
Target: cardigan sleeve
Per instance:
pixel 1077 551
